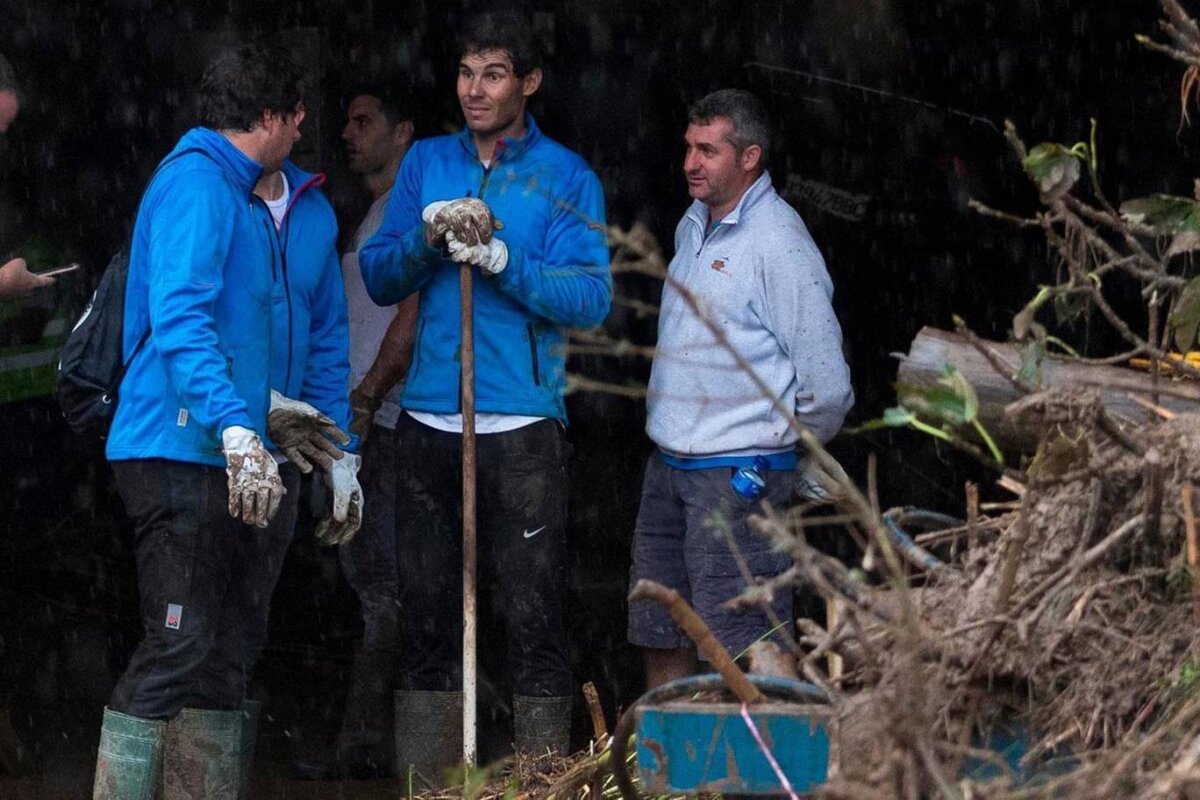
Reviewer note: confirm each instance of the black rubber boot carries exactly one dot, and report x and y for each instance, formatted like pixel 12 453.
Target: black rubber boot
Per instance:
pixel 542 725
pixel 429 736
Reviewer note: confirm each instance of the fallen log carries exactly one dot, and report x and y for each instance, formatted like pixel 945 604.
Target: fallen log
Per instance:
pixel 1119 387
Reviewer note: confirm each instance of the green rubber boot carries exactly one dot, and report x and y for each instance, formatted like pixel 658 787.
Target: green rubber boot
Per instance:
pixel 202 758
pixel 251 710
pixel 129 761
pixel 429 737
pixel 542 725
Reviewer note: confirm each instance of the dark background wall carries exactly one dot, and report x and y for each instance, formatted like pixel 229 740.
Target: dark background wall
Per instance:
pixel 888 119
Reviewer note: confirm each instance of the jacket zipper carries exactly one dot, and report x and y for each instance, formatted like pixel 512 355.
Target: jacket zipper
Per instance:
pixel 487 171
pixel 533 356
pixel 269 223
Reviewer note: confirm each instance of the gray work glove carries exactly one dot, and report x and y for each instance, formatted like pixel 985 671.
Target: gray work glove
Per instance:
pixel 342 523
pixel 305 435
pixel 255 488
pixel 469 219
pixel 492 257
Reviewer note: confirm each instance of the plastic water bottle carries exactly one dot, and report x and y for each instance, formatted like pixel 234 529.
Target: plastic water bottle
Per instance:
pixel 751 482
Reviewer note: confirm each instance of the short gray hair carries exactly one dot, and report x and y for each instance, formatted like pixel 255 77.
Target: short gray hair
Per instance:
pixel 8 77
pixel 744 110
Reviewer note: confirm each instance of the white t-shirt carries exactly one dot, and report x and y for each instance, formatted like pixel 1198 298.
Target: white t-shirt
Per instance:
pixel 279 207
pixel 484 423
pixel 368 322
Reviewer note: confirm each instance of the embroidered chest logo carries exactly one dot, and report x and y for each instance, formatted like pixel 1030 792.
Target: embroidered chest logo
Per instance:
pixel 718 265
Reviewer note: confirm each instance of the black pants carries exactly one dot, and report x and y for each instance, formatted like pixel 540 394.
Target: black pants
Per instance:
pixel 522 498
pixel 205 582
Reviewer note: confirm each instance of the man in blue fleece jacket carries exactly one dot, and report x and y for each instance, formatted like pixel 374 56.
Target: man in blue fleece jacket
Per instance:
pixel 546 270
pixel 745 257
pixel 235 335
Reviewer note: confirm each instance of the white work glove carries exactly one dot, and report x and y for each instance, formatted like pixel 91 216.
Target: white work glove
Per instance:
pixel 469 219
pixel 255 489
pixel 304 434
pixel 815 485
pixel 492 257
pixel 341 525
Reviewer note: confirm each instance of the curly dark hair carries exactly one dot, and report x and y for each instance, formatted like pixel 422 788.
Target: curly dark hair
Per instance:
pixel 396 98
pixel 240 84
pixel 509 31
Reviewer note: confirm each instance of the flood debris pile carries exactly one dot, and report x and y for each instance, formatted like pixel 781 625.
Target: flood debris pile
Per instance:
pixel 1069 624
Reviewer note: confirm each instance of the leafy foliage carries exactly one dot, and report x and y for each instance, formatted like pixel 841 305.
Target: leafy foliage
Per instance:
pixel 1055 168
pixel 1165 214
pixel 937 410
pixel 1184 320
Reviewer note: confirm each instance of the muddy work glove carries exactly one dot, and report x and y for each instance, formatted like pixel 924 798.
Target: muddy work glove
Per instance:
pixel 305 435
pixel 492 257
pixel 255 489
pixel 469 220
pixel 341 525
pixel 362 414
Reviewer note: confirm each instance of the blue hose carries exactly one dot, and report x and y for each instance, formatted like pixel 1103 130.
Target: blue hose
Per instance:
pixel 912 552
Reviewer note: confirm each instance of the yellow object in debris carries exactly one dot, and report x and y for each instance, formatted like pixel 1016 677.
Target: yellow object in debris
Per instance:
pixel 1192 358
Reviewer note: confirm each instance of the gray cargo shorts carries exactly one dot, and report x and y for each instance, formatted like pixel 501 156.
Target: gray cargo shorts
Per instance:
pixel 681 540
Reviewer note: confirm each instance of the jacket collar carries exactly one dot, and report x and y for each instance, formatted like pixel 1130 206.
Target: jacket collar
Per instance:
pixel 698 212
pixel 241 169
pixel 505 148
pixel 299 180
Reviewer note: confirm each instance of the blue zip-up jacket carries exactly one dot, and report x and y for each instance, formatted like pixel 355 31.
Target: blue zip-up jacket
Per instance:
pixel 311 359
pixel 557 276
pixel 206 276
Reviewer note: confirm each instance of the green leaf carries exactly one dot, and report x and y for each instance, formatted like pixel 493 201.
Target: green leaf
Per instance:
pixel 1069 307
pixel 1054 168
pixel 1184 320
pixel 1023 321
pixel 939 402
pixel 963 390
pixel 1184 242
pixel 1030 372
pixel 1165 214
pixel 897 417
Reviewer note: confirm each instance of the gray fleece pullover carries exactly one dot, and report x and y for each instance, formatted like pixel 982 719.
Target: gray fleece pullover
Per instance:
pixel 758 276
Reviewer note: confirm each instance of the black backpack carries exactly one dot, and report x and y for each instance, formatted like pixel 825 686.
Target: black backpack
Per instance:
pixel 90 366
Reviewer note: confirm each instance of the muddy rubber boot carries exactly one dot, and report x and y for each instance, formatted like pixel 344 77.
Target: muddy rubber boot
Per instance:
pixel 542 725
pixel 429 736
pixel 129 761
pixel 251 709
pixel 202 756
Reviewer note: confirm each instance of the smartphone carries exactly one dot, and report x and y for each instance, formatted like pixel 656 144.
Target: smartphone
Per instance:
pixel 50 273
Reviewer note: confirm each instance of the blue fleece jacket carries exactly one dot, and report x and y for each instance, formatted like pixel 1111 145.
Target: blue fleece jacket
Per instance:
pixel 208 278
pixel 557 277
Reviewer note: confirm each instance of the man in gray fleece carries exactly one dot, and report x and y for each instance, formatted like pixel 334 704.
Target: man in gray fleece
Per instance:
pixel 744 256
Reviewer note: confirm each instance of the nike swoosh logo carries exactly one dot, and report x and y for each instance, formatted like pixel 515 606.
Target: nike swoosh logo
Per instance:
pixel 531 534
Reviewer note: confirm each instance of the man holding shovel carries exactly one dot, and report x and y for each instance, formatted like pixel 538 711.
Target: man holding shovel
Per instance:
pixel 528 216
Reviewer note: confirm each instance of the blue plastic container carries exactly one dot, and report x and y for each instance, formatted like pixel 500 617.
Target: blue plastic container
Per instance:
pixel 691 747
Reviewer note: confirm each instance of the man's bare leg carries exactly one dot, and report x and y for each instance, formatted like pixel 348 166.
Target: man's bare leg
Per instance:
pixel 663 666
